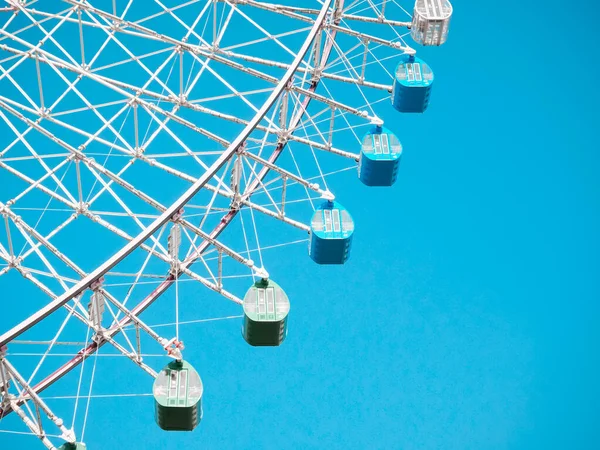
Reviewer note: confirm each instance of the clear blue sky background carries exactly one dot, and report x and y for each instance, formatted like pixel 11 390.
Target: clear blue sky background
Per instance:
pixel 467 317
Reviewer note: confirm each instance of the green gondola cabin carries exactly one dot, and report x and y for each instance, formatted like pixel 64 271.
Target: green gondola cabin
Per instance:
pixel 72 446
pixel 266 308
pixel 178 397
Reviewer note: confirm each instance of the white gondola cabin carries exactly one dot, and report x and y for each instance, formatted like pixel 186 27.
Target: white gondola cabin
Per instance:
pixel 266 308
pixel 431 21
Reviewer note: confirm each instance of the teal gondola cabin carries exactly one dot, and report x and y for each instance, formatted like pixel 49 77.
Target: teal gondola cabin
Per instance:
pixel 331 231
pixel 379 157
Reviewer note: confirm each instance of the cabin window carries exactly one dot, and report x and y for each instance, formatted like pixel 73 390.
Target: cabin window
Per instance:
pixel 409 72
pixel 261 301
pixel 395 144
pixel 336 220
pixel 282 303
pixel 174 375
pixel 427 73
pixel 367 144
pixel 182 386
pixel 417 69
pixel 347 222
pixel 402 73
pixel 317 221
pixel 385 145
pixel 327 214
pixel 177 393
pixel 270 301
pixel 377 143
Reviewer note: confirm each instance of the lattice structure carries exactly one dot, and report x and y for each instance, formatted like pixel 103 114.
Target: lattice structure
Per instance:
pixel 140 139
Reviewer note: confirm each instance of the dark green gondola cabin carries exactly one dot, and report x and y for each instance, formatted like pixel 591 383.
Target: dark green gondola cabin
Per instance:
pixel 72 446
pixel 178 397
pixel 266 308
pixel 379 157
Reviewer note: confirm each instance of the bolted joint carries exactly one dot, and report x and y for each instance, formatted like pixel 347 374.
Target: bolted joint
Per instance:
pixel 316 74
pixel 235 205
pixel 98 337
pixel 377 121
pixel 283 136
pixel 241 148
pixel 173 347
pixel 116 25
pixel 79 156
pixel 261 273
pixel 82 208
pixel 177 216
pixel 24 273
pixel 175 265
pixel 97 284
pixel 15 262
pixel 328 195
pixel 138 152
pixel 68 436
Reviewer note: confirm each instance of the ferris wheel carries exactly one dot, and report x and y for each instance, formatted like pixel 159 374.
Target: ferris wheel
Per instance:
pixel 149 145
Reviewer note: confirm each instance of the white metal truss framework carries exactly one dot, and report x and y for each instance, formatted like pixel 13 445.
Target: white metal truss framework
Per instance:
pixel 100 131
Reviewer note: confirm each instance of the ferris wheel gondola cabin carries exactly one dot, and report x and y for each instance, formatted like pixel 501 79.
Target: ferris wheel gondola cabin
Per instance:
pixel 266 308
pixel 379 157
pixel 331 231
pixel 431 21
pixel 73 446
pixel 178 397
pixel 412 85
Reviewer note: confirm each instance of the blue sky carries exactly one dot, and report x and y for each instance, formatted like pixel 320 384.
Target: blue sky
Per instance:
pixel 467 316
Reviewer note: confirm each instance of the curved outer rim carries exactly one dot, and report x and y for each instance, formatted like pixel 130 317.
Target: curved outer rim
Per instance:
pixel 97 274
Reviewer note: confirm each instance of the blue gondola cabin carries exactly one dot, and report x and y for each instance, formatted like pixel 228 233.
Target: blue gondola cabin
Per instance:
pixel 379 157
pixel 412 85
pixel 331 231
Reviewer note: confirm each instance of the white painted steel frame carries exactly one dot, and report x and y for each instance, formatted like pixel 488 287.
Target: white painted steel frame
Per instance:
pixel 177 205
pixel 174 209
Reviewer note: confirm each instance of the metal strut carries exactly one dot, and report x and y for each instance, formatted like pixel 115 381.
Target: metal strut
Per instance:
pixel 136 242
pixel 7 372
